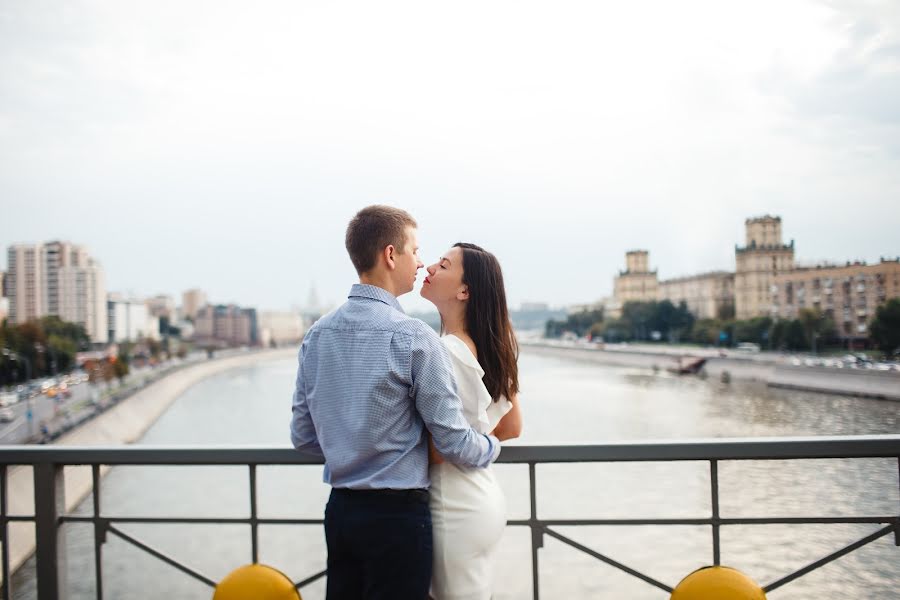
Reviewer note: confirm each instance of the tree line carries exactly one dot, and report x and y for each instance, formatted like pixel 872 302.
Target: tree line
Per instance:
pixel 664 321
pixel 39 348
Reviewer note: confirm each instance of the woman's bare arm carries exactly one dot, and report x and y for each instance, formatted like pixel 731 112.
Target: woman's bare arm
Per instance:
pixel 510 426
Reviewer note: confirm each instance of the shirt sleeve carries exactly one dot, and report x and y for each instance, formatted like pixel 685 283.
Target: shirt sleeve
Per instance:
pixel 434 391
pixel 303 432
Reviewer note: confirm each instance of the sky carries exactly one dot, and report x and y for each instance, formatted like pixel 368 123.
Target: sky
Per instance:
pixel 225 145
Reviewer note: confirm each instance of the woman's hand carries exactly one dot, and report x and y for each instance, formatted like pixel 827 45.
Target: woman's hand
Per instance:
pixel 434 457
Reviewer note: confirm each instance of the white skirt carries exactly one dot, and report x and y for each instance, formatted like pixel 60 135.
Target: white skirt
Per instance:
pixel 468 512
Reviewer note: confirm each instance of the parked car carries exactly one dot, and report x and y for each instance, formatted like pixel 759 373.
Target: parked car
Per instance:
pixel 8 398
pixel 747 347
pixel 7 415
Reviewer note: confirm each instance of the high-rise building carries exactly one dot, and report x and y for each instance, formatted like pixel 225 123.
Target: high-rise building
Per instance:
pixel 757 264
pixel 4 301
pixel 58 255
pixel 26 285
pixel 57 279
pixel 191 302
pixel 82 299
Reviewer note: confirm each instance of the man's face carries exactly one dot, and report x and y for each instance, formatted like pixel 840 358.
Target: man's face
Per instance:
pixel 408 263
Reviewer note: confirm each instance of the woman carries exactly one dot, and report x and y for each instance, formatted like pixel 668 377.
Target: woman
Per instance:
pixel 468 509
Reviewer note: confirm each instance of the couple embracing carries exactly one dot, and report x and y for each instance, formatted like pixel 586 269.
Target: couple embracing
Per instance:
pixel 409 422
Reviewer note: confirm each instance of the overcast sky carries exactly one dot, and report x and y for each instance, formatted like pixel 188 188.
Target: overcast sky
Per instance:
pixel 225 145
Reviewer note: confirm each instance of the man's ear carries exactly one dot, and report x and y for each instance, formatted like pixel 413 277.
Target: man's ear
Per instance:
pixel 388 253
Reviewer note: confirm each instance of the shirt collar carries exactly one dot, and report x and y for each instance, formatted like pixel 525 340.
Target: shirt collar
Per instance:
pixel 373 292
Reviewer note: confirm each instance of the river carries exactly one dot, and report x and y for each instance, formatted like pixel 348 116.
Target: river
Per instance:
pixel 564 401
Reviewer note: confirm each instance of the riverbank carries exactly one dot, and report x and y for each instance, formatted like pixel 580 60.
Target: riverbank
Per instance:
pixel 764 368
pixel 123 423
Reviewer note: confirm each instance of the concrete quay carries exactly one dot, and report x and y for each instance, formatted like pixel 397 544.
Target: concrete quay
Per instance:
pixel 124 423
pixel 769 369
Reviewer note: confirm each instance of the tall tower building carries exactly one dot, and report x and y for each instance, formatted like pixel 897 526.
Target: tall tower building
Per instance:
pixel 57 279
pixel 637 282
pixel 191 302
pixel 82 299
pixel 757 264
pixel 26 287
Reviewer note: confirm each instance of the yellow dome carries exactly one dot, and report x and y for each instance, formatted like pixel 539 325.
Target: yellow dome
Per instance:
pixel 256 582
pixel 717 583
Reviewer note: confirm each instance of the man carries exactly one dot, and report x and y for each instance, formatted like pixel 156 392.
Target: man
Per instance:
pixel 369 383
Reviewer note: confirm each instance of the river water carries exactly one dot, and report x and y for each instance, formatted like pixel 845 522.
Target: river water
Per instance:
pixel 564 401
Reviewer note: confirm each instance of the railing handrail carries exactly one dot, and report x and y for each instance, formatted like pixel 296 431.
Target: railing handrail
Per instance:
pixel 760 448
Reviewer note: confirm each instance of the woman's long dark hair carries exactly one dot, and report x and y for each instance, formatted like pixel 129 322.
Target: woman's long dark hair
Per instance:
pixel 487 321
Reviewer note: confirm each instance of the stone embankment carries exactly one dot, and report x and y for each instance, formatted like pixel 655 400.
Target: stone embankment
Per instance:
pixel 124 423
pixel 767 368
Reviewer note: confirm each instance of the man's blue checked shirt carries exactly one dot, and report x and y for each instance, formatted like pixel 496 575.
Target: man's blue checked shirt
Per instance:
pixel 369 380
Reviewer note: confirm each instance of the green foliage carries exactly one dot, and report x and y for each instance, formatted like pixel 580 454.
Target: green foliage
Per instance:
pixel 754 330
pixel 578 323
pixel 121 368
pixel 640 320
pixel 39 348
pixel 885 327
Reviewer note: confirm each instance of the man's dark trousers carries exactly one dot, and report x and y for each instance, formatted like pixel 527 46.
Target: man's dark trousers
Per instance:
pixel 379 544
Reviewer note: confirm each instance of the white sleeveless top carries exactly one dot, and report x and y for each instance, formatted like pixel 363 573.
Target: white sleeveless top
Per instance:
pixel 480 410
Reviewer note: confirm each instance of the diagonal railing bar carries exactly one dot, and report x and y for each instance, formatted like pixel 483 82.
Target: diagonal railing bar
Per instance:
pixel 830 558
pixel 311 579
pixel 607 560
pixel 154 552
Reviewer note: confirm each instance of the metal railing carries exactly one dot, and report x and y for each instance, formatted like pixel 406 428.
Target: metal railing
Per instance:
pixel 49 515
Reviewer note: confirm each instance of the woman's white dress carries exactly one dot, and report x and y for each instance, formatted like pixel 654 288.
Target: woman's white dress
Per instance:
pixel 468 509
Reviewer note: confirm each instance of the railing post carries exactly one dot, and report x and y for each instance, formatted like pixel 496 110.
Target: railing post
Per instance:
pixel 537 535
pixel 4 535
pixel 716 522
pixel 897 524
pixel 49 504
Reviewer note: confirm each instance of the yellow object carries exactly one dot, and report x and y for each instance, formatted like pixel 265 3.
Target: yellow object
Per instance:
pixel 256 582
pixel 717 583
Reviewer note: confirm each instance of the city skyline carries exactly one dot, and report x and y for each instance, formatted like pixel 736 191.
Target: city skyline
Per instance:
pixel 227 149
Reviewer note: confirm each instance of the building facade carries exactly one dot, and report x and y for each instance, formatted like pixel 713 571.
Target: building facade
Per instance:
pixel 280 328
pixel 849 294
pixel 26 288
pixel 130 320
pixel 191 302
pixel 707 296
pixel 767 283
pixel 637 283
pixel 226 325
pixel 757 264
pixel 81 299
pixel 57 279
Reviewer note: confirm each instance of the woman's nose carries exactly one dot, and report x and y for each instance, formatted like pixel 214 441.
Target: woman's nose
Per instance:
pixel 431 269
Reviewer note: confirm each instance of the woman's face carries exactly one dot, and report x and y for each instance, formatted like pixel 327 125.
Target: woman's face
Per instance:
pixel 444 286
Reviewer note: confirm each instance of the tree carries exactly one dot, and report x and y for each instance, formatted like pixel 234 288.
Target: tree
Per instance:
pixel 815 326
pixel 885 327
pixel 578 323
